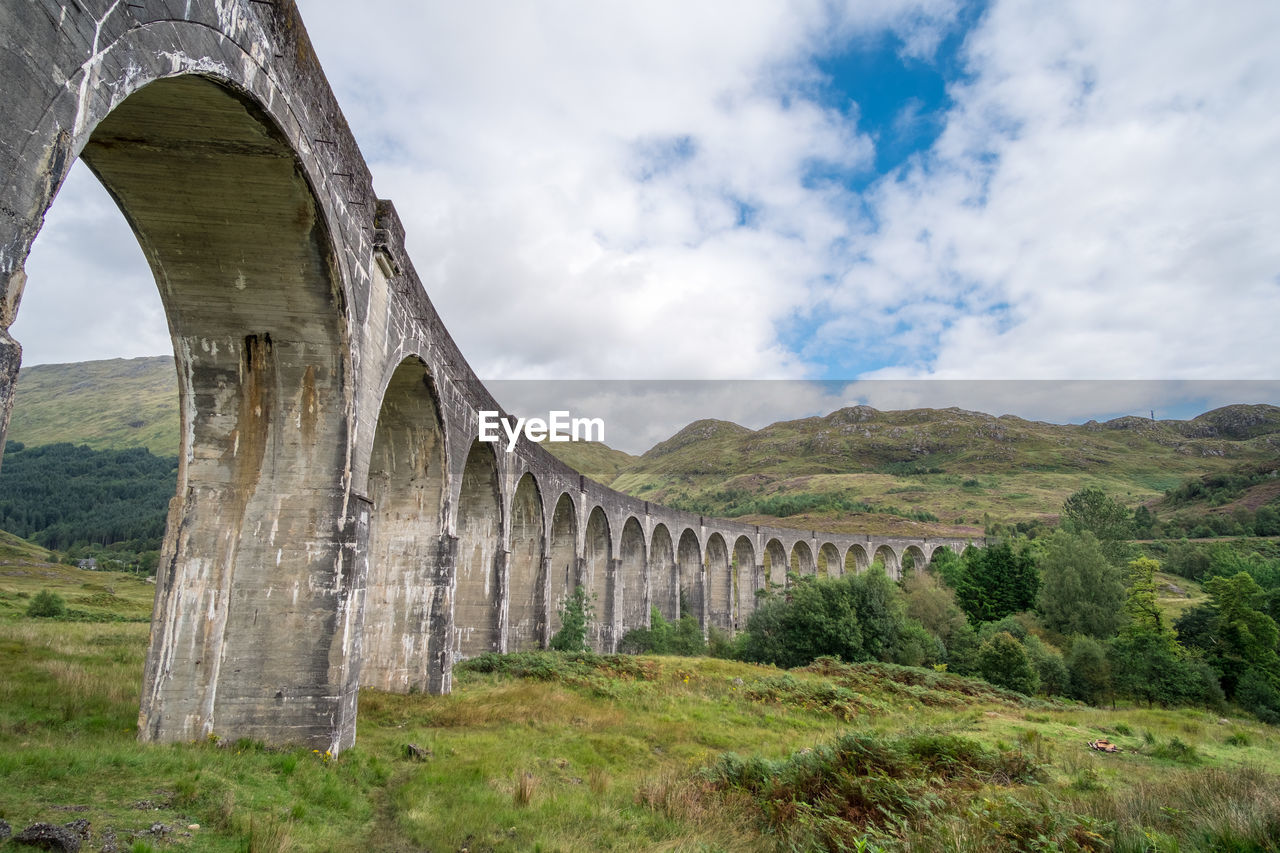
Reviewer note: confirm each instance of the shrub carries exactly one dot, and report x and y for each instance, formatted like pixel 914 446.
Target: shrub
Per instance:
pixel 47 604
pixel 1003 661
pixel 572 636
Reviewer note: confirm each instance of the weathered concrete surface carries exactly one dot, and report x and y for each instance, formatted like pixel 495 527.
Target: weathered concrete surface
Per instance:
pixel 336 522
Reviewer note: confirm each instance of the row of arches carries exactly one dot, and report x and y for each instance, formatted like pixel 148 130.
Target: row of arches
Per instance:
pixel 487 587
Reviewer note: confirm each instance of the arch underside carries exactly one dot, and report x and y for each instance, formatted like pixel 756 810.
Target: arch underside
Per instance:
pixel 406 599
pixel 252 558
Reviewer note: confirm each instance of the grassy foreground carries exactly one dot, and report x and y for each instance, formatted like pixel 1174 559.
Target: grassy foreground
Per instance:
pixel 540 752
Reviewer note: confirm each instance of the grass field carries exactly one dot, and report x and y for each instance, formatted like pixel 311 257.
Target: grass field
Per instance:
pixel 539 752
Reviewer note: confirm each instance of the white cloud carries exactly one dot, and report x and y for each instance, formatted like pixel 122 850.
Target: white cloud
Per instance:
pixel 1102 202
pixel 618 190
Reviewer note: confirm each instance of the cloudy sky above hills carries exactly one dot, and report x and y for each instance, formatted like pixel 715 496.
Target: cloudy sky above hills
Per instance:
pixel 924 188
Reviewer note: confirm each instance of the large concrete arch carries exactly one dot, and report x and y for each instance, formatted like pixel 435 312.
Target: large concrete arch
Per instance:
pixel 719 583
pixel 745 580
pixel 565 569
pixel 665 572
pixel 311 499
pixel 406 602
pixel 692 577
pixel 476 599
pixel 253 293
pixel 914 559
pixel 527 602
pixel 598 580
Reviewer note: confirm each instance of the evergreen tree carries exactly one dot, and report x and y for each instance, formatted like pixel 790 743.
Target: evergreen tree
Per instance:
pixel 1244 638
pixel 997 581
pixel 1147 664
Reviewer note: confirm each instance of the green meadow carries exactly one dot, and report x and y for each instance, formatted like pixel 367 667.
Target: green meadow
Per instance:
pixel 540 751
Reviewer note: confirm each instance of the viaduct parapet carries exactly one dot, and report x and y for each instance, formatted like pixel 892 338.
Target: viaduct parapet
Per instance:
pixel 336 522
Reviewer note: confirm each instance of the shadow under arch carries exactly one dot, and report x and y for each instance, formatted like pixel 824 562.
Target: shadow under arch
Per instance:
pixel 476 593
pixel 598 581
pixel 244 262
pixel 856 560
pixel 664 573
pixel 775 563
pixel 527 601
pixel 744 580
pixel 407 588
pixel 633 579
pixel 562 551
pixel 692 584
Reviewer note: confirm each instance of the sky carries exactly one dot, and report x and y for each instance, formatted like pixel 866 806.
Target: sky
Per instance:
pixel 906 189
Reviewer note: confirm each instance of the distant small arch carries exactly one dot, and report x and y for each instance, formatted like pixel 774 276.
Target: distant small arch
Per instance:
pixel 889 558
pixel 829 563
pixel 856 560
pixel 802 562
pixel 775 564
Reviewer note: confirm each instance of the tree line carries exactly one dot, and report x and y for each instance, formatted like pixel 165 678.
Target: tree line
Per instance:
pixel 64 496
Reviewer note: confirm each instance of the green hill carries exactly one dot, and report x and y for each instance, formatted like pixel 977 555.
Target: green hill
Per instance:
pixel 108 405
pixel 957 465
pixel 909 472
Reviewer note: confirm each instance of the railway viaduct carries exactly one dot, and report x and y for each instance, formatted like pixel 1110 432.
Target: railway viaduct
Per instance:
pixel 336 522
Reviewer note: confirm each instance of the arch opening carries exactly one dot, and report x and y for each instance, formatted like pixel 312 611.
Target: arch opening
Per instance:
pixel 563 553
pixel 633 576
pixel 253 558
pixel 887 557
pixel 527 599
pixel 776 564
pixel 719 583
pixel 802 562
pixel 599 582
pixel 856 560
pixel 913 560
pixel 476 596
pixel 745 580
pixel 829 563
pixel 406 489
pixel 692 578
pixel 665 574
